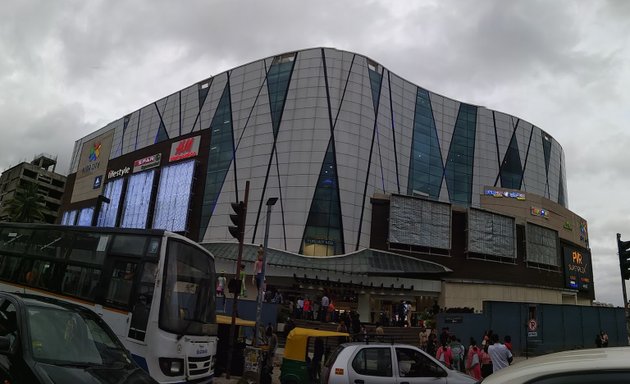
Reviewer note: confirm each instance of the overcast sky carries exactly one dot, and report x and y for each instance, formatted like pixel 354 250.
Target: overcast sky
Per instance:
pixel 68 68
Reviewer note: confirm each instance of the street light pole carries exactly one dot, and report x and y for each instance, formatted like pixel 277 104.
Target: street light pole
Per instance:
pixel 270 203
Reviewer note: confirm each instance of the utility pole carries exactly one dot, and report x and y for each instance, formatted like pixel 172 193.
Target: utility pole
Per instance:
pixel 238 232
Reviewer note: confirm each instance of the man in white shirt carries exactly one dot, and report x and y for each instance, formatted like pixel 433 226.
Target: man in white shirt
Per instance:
pixel 300 307
pixel 499 354
pixel 324 307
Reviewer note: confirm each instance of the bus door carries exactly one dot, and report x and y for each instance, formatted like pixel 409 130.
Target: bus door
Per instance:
pixel 141 300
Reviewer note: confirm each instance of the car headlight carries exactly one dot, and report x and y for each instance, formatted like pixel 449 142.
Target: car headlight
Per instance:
pixel 171 367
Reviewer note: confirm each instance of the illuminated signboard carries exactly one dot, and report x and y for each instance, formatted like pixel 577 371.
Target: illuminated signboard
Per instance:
pixel 147 163
pixel 540 212
pixel 506 194
pixel 577 269
pixel 184 149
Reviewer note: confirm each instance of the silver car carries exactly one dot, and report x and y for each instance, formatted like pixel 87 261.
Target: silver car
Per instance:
pixel 377 363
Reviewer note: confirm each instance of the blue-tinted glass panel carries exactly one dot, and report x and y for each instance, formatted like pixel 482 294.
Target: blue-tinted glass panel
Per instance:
pixel 278 79
pixel 323 235
pixel 173 196
pixel 546 142
pixel 69 218
pixel 425 168
pixel 85 216
pixel 461 154
pixel 375 82
pixel 561 197
pixel 162 135
pixel 108 212
pixel 511 168
pixel 137 198
pixel 219 157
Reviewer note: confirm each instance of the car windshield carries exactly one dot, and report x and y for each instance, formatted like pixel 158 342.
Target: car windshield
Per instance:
pixel 188 297
pixel 60 336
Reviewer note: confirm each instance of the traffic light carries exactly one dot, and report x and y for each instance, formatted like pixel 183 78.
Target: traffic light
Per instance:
pixel 238 219
pixel 624 257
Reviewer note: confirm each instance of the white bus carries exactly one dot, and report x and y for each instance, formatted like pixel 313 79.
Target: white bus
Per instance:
pixel 154 288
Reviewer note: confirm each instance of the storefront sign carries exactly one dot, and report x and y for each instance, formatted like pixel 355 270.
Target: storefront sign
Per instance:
pixel 147 163
pixel 319 241
pixel 184 149
pixel 577 269
pixel 567 226
pixel 118 173
pixel 506 194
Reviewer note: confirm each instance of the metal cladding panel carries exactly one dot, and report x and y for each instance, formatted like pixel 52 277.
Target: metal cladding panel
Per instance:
pixel 117 144
pixel 170 115
pixel 338 68
pixel 249 92
pixel 523 134
pixel 486 168
pixel 404 119
pixel 190 108
pixel 76 153
pixel 149 125
pixel 504 128
pixel 131 133
pixel 385 141
pixel 212 101
pixel 534 177
pixel 445 117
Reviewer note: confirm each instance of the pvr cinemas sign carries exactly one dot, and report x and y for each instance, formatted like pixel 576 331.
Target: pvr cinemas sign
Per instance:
pixel 184 149
pixel 577 269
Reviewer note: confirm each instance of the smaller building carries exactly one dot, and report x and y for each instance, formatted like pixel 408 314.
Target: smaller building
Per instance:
pixel 40 171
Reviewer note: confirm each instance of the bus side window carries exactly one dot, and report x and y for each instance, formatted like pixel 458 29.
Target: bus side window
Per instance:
pixel 120 283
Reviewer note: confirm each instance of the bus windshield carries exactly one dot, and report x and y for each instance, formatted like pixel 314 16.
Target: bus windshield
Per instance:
pixel 188 297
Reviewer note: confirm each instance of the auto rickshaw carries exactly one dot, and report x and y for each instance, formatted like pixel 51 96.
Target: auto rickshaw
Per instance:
pixel 294 369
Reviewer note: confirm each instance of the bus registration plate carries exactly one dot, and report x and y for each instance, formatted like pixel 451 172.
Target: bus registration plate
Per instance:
pixel 199 349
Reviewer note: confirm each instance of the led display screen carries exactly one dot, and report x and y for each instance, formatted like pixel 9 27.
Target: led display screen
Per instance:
pixel 542 245
pixel 420 222
pixel 491 234
pixel 137 198
pixel 173 197
pixel 108 212
pixel 578 270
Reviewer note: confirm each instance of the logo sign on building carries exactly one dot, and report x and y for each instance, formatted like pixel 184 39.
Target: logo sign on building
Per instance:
pixel 506 194
pixel 147 163
pixel 577 269
pixel 112 174
pixel 93 159
pixel 98 180
pixel 185 149
pixel 539 212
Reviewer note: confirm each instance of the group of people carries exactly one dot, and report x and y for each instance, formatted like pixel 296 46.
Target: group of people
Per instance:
pixel 601 339
pixel 478 361
pixel 321 309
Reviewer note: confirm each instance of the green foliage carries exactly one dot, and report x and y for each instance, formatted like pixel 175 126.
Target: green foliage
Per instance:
pixel 27 205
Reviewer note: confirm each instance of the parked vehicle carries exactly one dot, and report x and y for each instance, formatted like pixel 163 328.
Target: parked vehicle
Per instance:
pixel 44 340
pixel 377 363
pixel 582 366
pixel 295 367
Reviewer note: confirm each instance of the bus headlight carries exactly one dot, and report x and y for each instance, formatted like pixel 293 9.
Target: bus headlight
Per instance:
pixel 171 367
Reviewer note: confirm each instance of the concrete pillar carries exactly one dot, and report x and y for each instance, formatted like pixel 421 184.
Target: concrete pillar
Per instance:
pixel 363 307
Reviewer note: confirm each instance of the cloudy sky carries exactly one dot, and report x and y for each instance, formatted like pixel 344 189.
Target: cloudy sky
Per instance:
pixel 69 67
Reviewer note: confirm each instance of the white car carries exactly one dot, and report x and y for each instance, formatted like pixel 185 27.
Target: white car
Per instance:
pixel 582 366
pixel 375 363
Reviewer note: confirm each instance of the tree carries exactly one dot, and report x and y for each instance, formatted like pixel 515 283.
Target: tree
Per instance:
pixel 27 205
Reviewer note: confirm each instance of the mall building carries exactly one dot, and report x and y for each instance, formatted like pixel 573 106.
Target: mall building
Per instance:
pixel 386 190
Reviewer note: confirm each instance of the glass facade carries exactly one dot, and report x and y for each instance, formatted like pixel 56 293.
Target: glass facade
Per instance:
pixel 511 168
pixel 278 79
pixel 137 198
pixel 85 216
pixel 109 211
pixel 375 83
pixel 425 168
pixel 459 163
pixel 173 196
pixel 219 157
pixel 323 234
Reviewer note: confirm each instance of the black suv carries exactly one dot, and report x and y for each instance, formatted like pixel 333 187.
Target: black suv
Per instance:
pixel 44 340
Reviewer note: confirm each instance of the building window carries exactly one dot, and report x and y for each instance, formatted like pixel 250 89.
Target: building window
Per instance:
pixel 173 197
pixel 109 211
pixel 137 198
pixel 425 168
pixel 85 216
pixel 461 154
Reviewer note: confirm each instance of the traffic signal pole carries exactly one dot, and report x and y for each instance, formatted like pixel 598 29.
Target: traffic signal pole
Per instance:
pixel 241 213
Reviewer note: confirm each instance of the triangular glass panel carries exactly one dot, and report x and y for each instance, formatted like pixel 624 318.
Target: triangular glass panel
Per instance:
pixel 425 168
pixel 162 135
pixel 220 157
pixel 323 234
pixel 278 79
pixel 546 142
pixel 461 154
pixel 375 82
pixel 511 168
